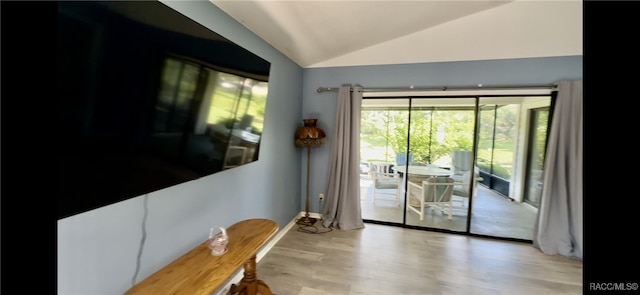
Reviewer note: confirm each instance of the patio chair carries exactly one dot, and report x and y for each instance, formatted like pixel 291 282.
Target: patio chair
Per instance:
pixel 435 192
pixel 386 181
pixel 463 168
pixel 463 185
pixel 461 162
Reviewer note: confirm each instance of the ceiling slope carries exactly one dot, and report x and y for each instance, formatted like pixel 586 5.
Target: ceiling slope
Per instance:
pixel 350 32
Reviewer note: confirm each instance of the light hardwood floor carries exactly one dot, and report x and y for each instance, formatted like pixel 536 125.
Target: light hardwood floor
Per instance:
pixel 382 259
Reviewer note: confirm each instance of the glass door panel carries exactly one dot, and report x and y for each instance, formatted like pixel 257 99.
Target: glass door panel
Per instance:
pixel 439 129
pixel 535 160
pixel 509 133
pixel 495 213
pixel 383 141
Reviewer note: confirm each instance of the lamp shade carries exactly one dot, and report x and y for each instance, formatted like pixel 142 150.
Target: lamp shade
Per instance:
pixel 310 135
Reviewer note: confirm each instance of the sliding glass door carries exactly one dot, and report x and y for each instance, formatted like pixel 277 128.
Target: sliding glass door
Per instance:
pixel 418 136
pixel 479 142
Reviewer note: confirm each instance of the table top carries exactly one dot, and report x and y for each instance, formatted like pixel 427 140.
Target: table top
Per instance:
pixel 423 170
pixel 199 272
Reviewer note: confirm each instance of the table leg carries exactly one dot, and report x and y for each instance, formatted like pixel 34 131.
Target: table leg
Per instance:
pixel 250 285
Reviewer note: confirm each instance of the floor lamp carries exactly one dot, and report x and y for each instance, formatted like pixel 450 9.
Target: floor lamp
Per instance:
pixel 309 136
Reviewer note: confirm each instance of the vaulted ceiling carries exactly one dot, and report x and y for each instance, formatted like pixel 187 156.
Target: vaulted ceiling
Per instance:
pixel 356 32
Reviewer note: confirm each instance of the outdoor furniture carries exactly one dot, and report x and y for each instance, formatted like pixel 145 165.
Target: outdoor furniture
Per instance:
pixel 386 181
pixel 419 173
pixel 401 159
pixel 463 185
pixel 434 192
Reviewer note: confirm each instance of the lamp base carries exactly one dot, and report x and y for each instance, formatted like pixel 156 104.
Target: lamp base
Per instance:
pixel 308 221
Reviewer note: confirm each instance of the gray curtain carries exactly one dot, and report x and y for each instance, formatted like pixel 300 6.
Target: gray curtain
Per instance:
pixel 559 223
pixel 342 209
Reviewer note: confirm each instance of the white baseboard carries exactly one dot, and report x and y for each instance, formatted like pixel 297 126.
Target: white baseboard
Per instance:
pixel 263 251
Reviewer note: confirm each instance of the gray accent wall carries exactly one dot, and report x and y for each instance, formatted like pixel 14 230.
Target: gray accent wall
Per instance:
pixel 98 250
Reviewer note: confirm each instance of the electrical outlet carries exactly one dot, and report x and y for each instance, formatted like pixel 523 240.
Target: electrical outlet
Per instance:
pixel 321 197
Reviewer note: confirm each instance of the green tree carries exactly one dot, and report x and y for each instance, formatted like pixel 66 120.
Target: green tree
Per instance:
pixel 433 134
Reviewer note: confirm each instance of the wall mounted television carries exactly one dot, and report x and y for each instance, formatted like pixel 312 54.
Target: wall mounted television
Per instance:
pixel 148 99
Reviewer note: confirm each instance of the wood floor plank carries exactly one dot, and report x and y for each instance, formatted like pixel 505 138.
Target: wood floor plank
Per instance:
pixel 383 259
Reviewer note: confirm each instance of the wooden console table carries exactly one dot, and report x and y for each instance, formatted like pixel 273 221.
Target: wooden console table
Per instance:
pixel 199 272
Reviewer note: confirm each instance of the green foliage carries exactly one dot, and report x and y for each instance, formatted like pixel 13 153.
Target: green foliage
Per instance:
pixel 502 171
pixel 435 133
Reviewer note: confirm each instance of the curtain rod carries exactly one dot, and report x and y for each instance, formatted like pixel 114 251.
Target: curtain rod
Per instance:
pixel 444 88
